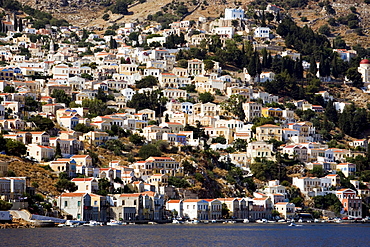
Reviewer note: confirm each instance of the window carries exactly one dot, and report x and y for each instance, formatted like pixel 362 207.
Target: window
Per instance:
pixel 79 204
pixel 65 203
pixel 95 203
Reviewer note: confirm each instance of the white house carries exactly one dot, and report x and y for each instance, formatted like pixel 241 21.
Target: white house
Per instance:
pixel 232 14
pixel 262 32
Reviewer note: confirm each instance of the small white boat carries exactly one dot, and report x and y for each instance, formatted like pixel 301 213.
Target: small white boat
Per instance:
pixel 293 224
pixel 213 221
pixel 174 221
pixel 61 225
pixel 245 221
pixel 195 222
pixel 282 220
pixel 152 223
pixel 271 221
pixel 73 225
pixel 114 223
pixel 261 221
pixel 93 223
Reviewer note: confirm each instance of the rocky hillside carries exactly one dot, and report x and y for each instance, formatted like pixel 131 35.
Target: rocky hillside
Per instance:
pixel 39 177
pixel 314 14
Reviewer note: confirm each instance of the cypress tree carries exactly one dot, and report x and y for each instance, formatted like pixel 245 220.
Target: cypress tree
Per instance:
pixel 264 57
pixel 334 66
pixel 313 68
pixel 20 28
pixel 15 22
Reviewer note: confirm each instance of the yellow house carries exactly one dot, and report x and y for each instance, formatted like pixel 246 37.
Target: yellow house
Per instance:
pixel 269 131
pixel 272 112
pixel 96 138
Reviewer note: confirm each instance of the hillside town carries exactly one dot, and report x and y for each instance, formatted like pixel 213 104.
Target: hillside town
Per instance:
pixel 142 123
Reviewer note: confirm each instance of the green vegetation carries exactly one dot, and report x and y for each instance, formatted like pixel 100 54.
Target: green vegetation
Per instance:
pixel 178 182
pixel 149 150
pixel 147 81
pixel 329 201
pixel 63 184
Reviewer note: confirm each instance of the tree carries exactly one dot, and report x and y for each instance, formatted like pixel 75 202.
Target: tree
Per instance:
pixel 234 105
pixel 147 82
pixel 137 139
pixel 42 123
pixel 16 148
pixel 96 107
pixel 324 29
pixel 5 206
pixel 31 104
pixel 15 22
pixel 112 43
pixel 225 211
pixel 58 151
pixel 116 146
pixel 240 145
pixel 206 97
pixel 178 182
pixel 182 63
pixel 9 89
pixel 64 184
pixel 354 76
pixel 208 64
pixel 219 139
pixel 264 170
pixel 328 201
pixel 105 17
pixel 105 187
pixel 120 7
pixel 318 172
pixel 188 167
pixel 148 100
pixel 20 27
pixel 83 128
pixel 61 96
pixel 149 150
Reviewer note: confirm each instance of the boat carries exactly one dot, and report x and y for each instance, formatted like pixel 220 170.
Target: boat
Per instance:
pixel 114 223
pixel 271 221
pixel 293 224
pixel 93 223
pixel 245 221
pixel 261 221
pixel 61 225
pixel 195 222
pixel 282 220
pixel 73 225
pixel 174 221
pixel 213 221
pixel 338 221
pixel 152 223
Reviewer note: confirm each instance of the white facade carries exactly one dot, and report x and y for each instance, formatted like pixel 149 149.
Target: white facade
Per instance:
pixel 232 14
